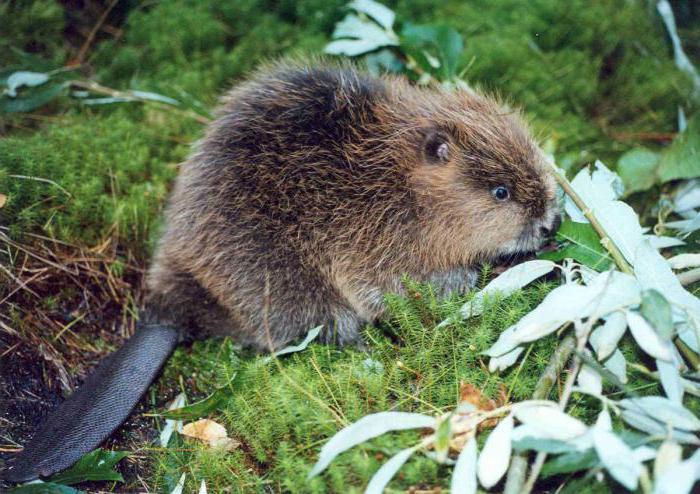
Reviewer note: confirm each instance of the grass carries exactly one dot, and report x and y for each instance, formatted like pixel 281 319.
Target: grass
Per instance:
pixel 590 75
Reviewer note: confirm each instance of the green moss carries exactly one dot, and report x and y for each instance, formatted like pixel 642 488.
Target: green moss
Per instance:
pixel 282 414
pixel 91 177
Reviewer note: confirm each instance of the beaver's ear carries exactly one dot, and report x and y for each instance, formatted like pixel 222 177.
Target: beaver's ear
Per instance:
pixel 437 147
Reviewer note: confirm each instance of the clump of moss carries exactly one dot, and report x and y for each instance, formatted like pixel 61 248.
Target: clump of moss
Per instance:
pixel 92 177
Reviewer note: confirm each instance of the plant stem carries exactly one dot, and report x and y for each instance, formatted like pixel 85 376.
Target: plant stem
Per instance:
pixel 100 89
pixel 563 402
pixel 588 213
pixel 518 465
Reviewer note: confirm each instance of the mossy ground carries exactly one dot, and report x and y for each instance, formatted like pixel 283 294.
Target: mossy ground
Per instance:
pixel 591 76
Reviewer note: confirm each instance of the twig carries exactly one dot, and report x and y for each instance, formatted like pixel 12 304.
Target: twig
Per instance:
pixel 581 342
pixel 588 213
pixel 518 464
pixel 645 136
pixel 45 180
pixel 129 95
pixel 91 36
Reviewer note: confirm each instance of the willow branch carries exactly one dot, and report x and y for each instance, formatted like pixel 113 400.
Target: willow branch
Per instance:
pixel 129 95
pixel 518 464
pixel 605 241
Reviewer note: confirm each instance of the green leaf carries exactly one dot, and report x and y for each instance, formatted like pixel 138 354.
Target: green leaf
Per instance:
pixel 44 488
pixel 570 462
pixel 682 158
pixel 202 407
pixel 637 168
pixel 441 42
pixel 582 245
pixel 97 465
pixel 32 99
pixel 657 311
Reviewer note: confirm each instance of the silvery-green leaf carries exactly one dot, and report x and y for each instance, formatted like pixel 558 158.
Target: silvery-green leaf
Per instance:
pixel 384 475
pixel 657 312
pixel 687 196
pixel 647 338
pixel 670 378
pixel 617 458
pixel 24 78
pixel 606 293
pixel 652 271
pixel 172 425
pixel 495 455
pixel 502 362
pixel 663 410
pixel 690 334
pixel 155 97
pixel 680 478
pixel 506 283
pixel 669 454
pixel 550 422
pixel 381 14
pixel 617 364
pixel 684 261
pixel 603 177
pixel 351 47
pixel 605 338
pixel 685 226
pixel 310 336
pixel 604 421
pixel 589 380
pixel 180 485
pixel 663 242
pixel 643 422
pixel 618 219
pixel 464 473
pixel 681 59
pixel 366 428
pixel 644 453
pixel 526 438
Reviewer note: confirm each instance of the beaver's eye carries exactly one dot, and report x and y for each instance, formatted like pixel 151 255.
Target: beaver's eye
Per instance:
pixel 500 193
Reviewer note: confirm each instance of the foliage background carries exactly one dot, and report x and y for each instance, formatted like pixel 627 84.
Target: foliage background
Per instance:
pixel 596 78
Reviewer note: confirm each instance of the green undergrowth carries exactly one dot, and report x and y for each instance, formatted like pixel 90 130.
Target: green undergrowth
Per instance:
pixel 583 72
pixel 282 412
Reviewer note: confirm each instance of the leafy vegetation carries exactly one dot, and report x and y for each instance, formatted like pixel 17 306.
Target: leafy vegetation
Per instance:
pixel 91 164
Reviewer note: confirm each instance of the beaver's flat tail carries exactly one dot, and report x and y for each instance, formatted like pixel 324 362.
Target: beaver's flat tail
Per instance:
pixel 98 407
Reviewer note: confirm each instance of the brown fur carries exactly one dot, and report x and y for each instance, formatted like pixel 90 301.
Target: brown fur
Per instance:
pixel 317 186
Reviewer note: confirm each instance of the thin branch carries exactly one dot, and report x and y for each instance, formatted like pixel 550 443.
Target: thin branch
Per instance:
pixel 588 213
pixel 91 36
pixel 518 464
pixel 129 95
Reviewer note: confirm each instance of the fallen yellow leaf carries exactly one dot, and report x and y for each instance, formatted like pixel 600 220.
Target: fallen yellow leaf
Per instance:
pixel 210 432
pixel 3 200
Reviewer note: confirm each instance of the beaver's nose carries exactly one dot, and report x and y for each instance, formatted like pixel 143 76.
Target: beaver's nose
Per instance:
pixel 546 231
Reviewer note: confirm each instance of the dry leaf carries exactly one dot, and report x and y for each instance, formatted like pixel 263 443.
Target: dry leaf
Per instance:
pixel 3 200
pixel 468 393
pixel 210 432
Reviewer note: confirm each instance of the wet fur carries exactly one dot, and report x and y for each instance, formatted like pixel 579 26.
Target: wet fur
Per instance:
pixel 312 194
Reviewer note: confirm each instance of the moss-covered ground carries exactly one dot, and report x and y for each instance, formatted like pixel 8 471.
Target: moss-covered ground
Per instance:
pixel 595 78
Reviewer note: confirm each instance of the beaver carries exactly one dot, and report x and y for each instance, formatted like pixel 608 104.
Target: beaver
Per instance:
pixel 317 187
